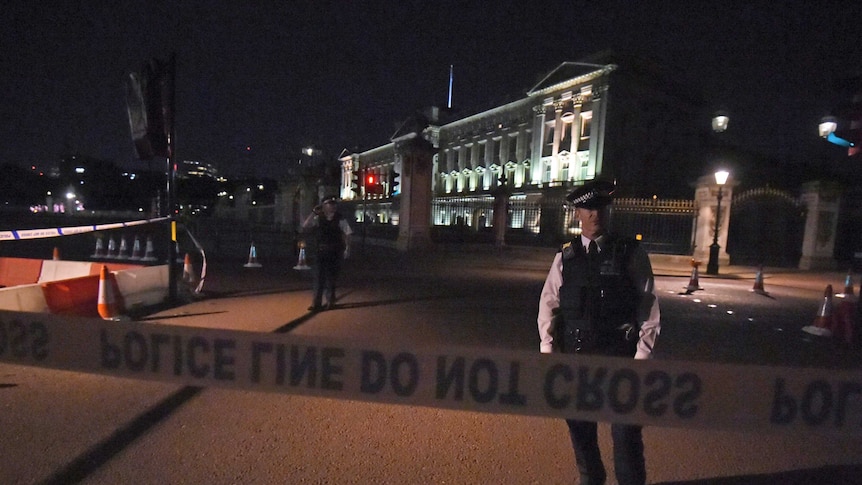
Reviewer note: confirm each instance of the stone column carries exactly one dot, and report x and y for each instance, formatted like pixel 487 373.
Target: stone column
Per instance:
pixel 706 201
pixel 555 150
pixel 501 215
pixel 414 225
pixel 575 132
pixel 597 130
pixel 822 201
pixel 538 139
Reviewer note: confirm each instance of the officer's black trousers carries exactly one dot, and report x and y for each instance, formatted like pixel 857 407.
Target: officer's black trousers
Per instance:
pixel 325 268
pixel 628 453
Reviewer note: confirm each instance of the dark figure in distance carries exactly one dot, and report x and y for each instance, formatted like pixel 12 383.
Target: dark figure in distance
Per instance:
pixel 330 243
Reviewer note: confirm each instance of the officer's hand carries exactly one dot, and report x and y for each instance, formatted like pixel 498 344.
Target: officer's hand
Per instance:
pixel 346 253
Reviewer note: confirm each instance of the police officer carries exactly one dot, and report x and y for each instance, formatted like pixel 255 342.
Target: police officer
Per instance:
pixel 598 299
pixel 330 243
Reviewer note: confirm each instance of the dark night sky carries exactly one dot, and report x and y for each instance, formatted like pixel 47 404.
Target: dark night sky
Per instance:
pixel 337 74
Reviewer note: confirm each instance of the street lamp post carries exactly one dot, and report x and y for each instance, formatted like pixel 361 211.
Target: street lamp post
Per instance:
pixel 712 265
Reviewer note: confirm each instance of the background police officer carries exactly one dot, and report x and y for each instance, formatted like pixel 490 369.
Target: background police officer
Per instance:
pixel 330 243
pixel 598 298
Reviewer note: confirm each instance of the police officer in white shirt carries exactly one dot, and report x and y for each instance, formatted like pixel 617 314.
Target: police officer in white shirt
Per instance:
pixel 599 299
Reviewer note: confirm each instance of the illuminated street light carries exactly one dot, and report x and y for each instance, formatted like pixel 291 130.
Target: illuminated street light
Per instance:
pixel 827 126
pixel 712 266
pixel 720 122
pixel 826 129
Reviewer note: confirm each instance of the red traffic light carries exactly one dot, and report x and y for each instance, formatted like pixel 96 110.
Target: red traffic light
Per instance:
pixel 372 180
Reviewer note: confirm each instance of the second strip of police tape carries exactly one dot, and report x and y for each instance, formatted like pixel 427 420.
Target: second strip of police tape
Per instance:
pixel 654 392
pixel 23 234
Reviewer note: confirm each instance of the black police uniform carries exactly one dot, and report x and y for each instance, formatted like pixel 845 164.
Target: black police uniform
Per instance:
pixel 598 315
pixel 326 258
pixel 598 299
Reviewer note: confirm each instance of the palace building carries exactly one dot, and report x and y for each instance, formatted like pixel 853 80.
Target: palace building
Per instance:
pixel 608 116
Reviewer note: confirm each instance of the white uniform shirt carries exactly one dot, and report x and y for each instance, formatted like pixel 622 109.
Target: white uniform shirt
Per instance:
pixel 648 314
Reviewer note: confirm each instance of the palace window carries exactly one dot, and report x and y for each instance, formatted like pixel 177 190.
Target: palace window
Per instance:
pixel 513 146
pixel 548 143
pixel 586 124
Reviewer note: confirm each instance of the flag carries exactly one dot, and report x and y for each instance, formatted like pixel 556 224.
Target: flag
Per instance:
pixel 149 99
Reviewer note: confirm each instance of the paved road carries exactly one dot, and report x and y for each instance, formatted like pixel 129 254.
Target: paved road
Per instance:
pixel 61 427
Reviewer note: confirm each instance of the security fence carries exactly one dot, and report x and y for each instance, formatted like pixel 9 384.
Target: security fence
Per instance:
pixel 665 226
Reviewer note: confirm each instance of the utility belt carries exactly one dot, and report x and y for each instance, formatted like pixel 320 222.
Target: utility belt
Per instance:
pixel 620 341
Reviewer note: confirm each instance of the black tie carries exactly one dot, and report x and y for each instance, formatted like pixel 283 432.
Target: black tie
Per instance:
pixel 592 256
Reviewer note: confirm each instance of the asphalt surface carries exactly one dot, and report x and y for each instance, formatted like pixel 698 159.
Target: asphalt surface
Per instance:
pixel 63 427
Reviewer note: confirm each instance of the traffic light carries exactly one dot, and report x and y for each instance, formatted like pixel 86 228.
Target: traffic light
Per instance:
pixel 393 182
pixel 356 183
pixel 372 184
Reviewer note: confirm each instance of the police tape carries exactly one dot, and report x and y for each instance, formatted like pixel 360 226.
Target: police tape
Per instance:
pixel 654 392
pixel 68 231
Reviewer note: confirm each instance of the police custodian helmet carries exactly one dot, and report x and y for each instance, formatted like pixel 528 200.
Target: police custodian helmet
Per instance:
pixel 594 194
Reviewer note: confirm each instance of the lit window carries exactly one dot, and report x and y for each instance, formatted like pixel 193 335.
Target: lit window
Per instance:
pixel 548 145
pixel 586 124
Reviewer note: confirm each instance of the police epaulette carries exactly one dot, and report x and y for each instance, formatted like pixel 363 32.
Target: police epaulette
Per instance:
pixel 568 250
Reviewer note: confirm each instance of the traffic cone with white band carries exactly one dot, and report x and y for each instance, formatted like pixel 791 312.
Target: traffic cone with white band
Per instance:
pixel 252 258
pixel 99 252
pixel 112 248
pixel 188 270
pixel 150 254
pixel 693 282
pixel 822 325
pixel 107 303
pixel 124 248
pixel 136 249
pixel 758 283
pixel 301 264
pixel 848 284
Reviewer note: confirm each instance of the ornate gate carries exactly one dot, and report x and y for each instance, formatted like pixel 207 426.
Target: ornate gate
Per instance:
pixel 766 227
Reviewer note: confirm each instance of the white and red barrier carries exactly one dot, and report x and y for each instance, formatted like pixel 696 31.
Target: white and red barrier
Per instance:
pixel 72 287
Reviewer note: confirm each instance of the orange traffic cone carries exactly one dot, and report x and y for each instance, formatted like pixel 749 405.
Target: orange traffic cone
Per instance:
pixel 108 307
pixel 758 283
pixel 136 249
pixel 56 256
pixel 252 258
pixel 150 254
pixel 302 264
pixel 693 282
pixel 188 271
pixel 99 252
pixel 822 325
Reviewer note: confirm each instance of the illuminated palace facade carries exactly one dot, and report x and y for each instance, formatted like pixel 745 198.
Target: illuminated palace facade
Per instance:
pixel 534 150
